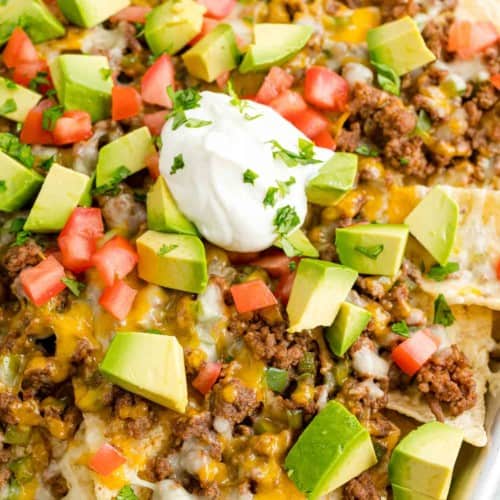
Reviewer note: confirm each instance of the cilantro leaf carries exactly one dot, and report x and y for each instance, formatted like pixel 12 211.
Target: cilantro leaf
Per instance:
pixel 17 225
pixel 50 117
pixel 442 312
pixel 270 197
pixel 241 104
pixel 106 73
pixel 305 156
pixel 164 249
pixel 284 186
pixel 183 100
pixel 21 238
pixel 178 164
pixel 9 106
pixel 286 220
pixel 371 252
pixel 366 150
pixel 387 78
pixel 196 123
pixel 12 147
pixel 46 164
pixel 41 78
pixel 127 493
pixel 249 176
pixel 75 287
pixel 111 188
pixel 423 123
pixel 401 328
pixel 440 273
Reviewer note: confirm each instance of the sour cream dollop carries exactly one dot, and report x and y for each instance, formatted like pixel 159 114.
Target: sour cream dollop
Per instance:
pixel 210 189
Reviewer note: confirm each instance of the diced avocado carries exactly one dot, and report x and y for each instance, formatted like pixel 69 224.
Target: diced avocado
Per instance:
pixel 35 18
pixel 300 243
pixel 434 222
pixel 332 450
pixel 399 45
pixel 163 213
pixel 372 248
pixel 423 460
pixel 213 55
pixel 22 98
pixel 130 151
pixel 18 184
pixel 86 200
pixel 61 192
pixel 149 365
pixel 171 25
pixel 83 82
pixel 318 290
pixel 347 327
pixel 176 261
pixel 400 493
pixel 274 44
pixel 334 179
pixel 89 13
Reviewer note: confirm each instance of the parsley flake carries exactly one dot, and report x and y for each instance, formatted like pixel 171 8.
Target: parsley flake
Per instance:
pixel 50 117
pixel 47 163
pixel 423 123
pixel 387 78
pixel 164 249
pixel 75 287
pixel 178 164
pixel 442 312
pixel 111 188
pixel 270 198
pixel 41 78
pixel 401 328
pixel 10 84
pixel 9 106
pixel 440 273
pixel 17 225
pixel 127 493
pixel 286 220
pixel 371 252
pixel 21 238
pixel 12 147
pixel 284 186
pixel 305 156
pixel 183 100
pixel 249 176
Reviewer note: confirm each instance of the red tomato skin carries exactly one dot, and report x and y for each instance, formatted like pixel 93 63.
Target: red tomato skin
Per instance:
pixel 276 264
pixel 42 282
pixel 288 103
pixel 24 73
pixel 241 258
pixel 412 354
pixel 468 38
pixel 207 376
pixel 252 296
pixel 76 252
pixel 208 25
pixel 72 127
pixel 498 269
pixel 495 81
pixel 118 299
pixel 32 131
pixel 156 80
pixel 19 49
pixel 325 89
pixel 324 140
pixel 153 165
pixel 126 103
pixel 155 121
pixel 275 83
pixel 132 14
pixel 219 9
pixel 115 259
pixel 106 460
pixel 310 122
pixel 284 287
pixel 86 222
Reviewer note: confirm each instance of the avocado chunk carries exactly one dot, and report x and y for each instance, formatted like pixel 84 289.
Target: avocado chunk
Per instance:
pixel 332 450
pixel 319 289
pixel 17 98
pixel 434 222
pixel 274 44
pixel 163 214
pixel 129 152
pixel 35 17
pixel 372 248
pixel 400 493
pixel 61 192
pixel 149 365
pixel 213 55
pixel 300 244
pixel 82 82
pixel 18 184
pixel 399 45
pixel 335 178
pixel 347 327
pixel 171 25
pixel 423 460
pixel 176 261
pixel 89 13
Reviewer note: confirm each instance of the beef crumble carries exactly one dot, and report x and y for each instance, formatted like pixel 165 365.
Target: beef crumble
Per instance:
pixel 18 257
pixel 361 488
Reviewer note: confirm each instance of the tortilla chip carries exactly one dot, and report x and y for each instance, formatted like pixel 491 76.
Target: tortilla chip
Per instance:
pixel 472 333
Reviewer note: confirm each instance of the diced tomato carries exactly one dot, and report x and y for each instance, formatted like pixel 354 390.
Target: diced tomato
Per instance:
pixel 76 252
pixel 208 25
pixel 132 14
pixel 19 49
pixel 32 131
pixel 284 287
pixel 155 121
pixel 118 299
pixel 468 38
pixel 252 296
pixel 42 282
pixel 495 81
pixel 156 80
pixel 106 460
pixel 498 269
pixel 115 259
pixel 240 258
pixel 73 126
pixel 324 140
pixel 310 122
pixel 218 8
pixel 126 103
pixel 289 103
pixel 276 263
pixel 412 354
pixel 153 164
pixel 207 376
pixel 275 83
pixel 24 74
pixel 86 222
pixel 222 79
pixel 325 89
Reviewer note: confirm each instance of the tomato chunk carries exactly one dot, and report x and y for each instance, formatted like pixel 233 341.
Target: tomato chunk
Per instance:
pixel 275 83
pixel 19 49
pixel 86 222
pixel 495 81
pixel 208 25
pixel 33 131
pixel 153 165
pixel 276 263
pixel 252 296
pixel 284 287
pixel 24 74
pixel 132 14
pixel 76 252
pixel 289 103
pixel 72 127
pixel 106 460
pixel 115 259
pixel 218 8
pixel 310 122
pixel 498 269
pixel 324 140
pixel 42 282
pixel 156 80
pixel 412 354
pixel 118 299
pixel 325 89
pixel 126 103
pixel 468 38
pixel 207 376
pixel 155 121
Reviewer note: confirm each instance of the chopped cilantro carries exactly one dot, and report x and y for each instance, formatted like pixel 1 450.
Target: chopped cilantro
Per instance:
pixel 75 287
pixel 442 312
pixel 17 225
pixel 387 78
pixel 242 105
pixel 270 198
pixel 423 123
pixel 164 249
pixel 10 84
pixel 284 186
pixel 440 273
pixel 50 117
pixel 286 220
pixel 196 123
pixel 47 163
pixel 127 493
pixel 292 266
pixel 3 186
pixel 41 78
pixel 21 238
pixel 182 100
pixel 178 164
pixel 371 252
pixel 305 156
pixel 11 146
pixel 249 176
pixel 366 150
pixel 404 161
pixel 111 188
pixel 401 328
pixel 9 106
pixel 106 73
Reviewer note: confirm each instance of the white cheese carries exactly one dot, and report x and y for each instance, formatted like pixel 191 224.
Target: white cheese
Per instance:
pixel 368 363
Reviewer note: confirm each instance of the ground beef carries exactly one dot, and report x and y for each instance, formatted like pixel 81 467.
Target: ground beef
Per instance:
pixel 233 401
pixel 135 411
pixel 486 96
pixel 57 485
pixel 18 257
pixel 162 468
pixel 361 488
pixel 394 9
pixel 348 140
pixel 435 34
pixel 406 154
pixel 357 397
pixel 5 456
pixel 397 302
pixel 447 379
pixel 474 114
pixel 7 403
pixel 372 286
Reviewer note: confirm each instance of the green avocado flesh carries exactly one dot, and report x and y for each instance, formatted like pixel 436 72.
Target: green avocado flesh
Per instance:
pixel 372 248
pixel 300 243
pixel 332 450
pixel 35 17
pixel 89 13
pixel 149 365
pixel 24 99
pixel 434 222
pixel 423 461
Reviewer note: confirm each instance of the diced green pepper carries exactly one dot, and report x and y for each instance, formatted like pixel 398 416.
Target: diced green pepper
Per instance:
pixel 295 419
pixel 307 364
pixel 263 425
pixel 22 468
pixel 277 379
pixel 341 371
pixel 17 434
pixel 10 368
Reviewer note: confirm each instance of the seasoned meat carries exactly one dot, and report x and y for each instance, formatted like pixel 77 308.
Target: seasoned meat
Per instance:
pixel 18 257
pixel 135 411
pixel 348 139
pixel 406 154
pixel 233 401
pixel 435 34
pixel 361 488
pixel 57 485
pixel 364 398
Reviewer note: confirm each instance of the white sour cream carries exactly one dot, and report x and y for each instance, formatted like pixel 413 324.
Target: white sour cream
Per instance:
pixel 210 190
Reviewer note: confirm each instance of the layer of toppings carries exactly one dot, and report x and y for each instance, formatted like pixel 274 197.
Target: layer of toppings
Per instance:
pixel 226 248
